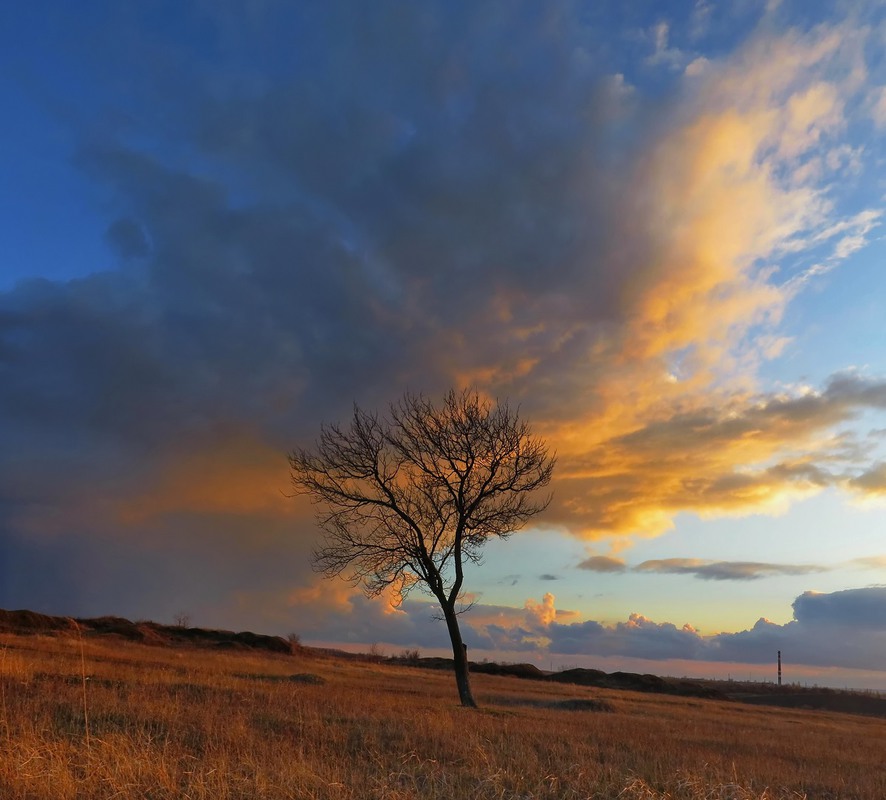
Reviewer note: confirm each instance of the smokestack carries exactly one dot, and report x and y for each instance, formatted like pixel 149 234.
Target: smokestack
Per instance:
pixel 779 667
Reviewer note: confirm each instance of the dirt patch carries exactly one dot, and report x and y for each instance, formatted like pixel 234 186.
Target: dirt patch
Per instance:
pixel 583 704
pixel 300 677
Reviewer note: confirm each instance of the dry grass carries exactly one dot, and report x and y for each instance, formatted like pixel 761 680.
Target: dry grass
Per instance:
pixel 186 723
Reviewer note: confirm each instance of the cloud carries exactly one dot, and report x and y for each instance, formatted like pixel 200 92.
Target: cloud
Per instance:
pixel 878 106
pixel 725 570
pixel 696 67
pixel 603 564
pixel 541 614
pixel 870 562
pixel 860 608
pixel 346 203
pixel 749 454
pixel 851 234
pixel 673 377
pixel 871 481
pixel 720 570
pixel 664 53
pixel 852 622
pixel 638 637
pixel 333 612
pixel 127 239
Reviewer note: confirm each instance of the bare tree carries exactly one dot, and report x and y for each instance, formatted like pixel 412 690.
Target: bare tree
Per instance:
pixel 407 499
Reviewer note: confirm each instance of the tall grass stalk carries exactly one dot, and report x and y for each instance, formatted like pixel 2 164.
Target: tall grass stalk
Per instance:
pixel 3 696
pixel 83 684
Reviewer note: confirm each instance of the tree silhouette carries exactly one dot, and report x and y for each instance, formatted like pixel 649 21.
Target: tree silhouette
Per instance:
pixel 407 499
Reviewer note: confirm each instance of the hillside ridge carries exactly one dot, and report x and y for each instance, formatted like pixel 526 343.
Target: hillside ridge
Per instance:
pixel 25 622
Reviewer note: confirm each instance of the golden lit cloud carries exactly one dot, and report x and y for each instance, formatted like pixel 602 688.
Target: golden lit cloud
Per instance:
pixel 323 595
pixel 871 484
pixel 603 564
pixel 609 237
pixel 234 474
pixel 744 457
pixel 543 613
pixel 652 401
pixel 679 423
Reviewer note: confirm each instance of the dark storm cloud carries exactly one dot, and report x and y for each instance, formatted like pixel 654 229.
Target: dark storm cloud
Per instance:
pixel 199 563
pixel 354 227
pixel 387 201
pixel 639 637
pixel 846 629
pixel 127 239
pixel 860 608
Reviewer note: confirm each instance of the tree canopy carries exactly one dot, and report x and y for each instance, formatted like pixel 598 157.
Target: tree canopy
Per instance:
pixel 408 498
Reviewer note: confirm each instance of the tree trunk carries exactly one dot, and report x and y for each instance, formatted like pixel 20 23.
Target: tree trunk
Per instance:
pixel 460 658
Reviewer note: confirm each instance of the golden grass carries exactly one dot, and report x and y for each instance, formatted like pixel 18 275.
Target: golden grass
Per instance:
pixel 189 723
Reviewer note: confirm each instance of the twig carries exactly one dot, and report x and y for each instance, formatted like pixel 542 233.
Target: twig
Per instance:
pixel 83 678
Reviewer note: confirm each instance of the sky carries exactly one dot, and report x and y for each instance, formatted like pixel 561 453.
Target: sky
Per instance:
pixel 656 227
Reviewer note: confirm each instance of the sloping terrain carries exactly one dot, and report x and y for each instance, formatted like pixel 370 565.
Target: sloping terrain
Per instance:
pixel 25 622
pixel 30 622
pixel 98 716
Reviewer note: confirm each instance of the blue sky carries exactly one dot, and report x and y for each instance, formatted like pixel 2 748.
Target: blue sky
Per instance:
pixel 656 226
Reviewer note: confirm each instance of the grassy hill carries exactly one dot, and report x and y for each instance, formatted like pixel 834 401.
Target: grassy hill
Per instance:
pixel 92 711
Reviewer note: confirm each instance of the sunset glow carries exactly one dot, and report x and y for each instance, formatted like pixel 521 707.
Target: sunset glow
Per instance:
pixel 659 233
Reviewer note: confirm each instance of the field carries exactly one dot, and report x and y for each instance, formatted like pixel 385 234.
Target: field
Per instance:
pixel 99 717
